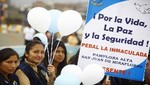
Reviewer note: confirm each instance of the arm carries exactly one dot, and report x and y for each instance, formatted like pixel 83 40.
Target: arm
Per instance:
pixel 51 74
pixel 22 78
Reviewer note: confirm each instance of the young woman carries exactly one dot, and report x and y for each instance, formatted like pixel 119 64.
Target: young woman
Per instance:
pixel 30 72
pixel 58 56
pixel 8 64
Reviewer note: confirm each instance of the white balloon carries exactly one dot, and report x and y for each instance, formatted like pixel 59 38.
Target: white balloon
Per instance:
pixel 39 19
pixel 92 74
pixel 69 22
pixel 67 79
pixel 72 69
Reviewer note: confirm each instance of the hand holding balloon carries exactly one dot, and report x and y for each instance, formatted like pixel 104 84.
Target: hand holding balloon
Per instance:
pixel 51 71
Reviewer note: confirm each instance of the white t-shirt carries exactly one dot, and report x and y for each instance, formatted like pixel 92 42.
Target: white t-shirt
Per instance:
pixel 29 33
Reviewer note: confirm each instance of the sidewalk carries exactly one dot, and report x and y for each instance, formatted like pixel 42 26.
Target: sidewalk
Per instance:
pixel 11 39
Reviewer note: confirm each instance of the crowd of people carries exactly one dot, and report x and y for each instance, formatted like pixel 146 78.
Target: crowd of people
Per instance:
pixel 38 66
pixel 41 64
pixel 32 69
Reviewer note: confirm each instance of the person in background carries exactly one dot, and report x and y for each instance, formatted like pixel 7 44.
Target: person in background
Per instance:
pixel 30 71
pixel 73 40
pixel 50 36
pixel 9 60
pixel 28 34
pixel 147 71
pixel 58 56
pixel 121 81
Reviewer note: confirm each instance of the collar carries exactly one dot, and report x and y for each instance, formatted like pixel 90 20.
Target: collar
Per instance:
pixel 33 65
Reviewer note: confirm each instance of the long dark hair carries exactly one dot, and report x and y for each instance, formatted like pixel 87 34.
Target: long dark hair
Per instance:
pixel 29 47
pixel 6 53
pixel 74 58
pixel 63 63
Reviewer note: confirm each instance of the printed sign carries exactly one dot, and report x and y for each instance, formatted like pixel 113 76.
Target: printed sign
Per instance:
pixel 116 36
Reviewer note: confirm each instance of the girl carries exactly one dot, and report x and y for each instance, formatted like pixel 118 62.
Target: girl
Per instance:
pixel 58 57
pixel 30 72
pixel 8 64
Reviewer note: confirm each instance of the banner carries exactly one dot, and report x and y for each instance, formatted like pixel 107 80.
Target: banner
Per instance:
pixel 116 36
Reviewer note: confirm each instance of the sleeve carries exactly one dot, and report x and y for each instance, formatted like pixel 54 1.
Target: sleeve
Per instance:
pixel 22 78
pixel 50 80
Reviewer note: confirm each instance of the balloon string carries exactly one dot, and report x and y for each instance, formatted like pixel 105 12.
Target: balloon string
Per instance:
pixel 50 62
pixel 49 59
pixel 55 50
pixel 107 78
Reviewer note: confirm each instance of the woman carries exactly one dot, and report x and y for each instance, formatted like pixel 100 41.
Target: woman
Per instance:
pixel 58 56
pixel 30 72
pixel 8 63
pixel 28 32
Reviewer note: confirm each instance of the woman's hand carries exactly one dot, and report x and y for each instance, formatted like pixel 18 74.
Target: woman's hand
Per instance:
pixel 51 71
pixel 106 82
